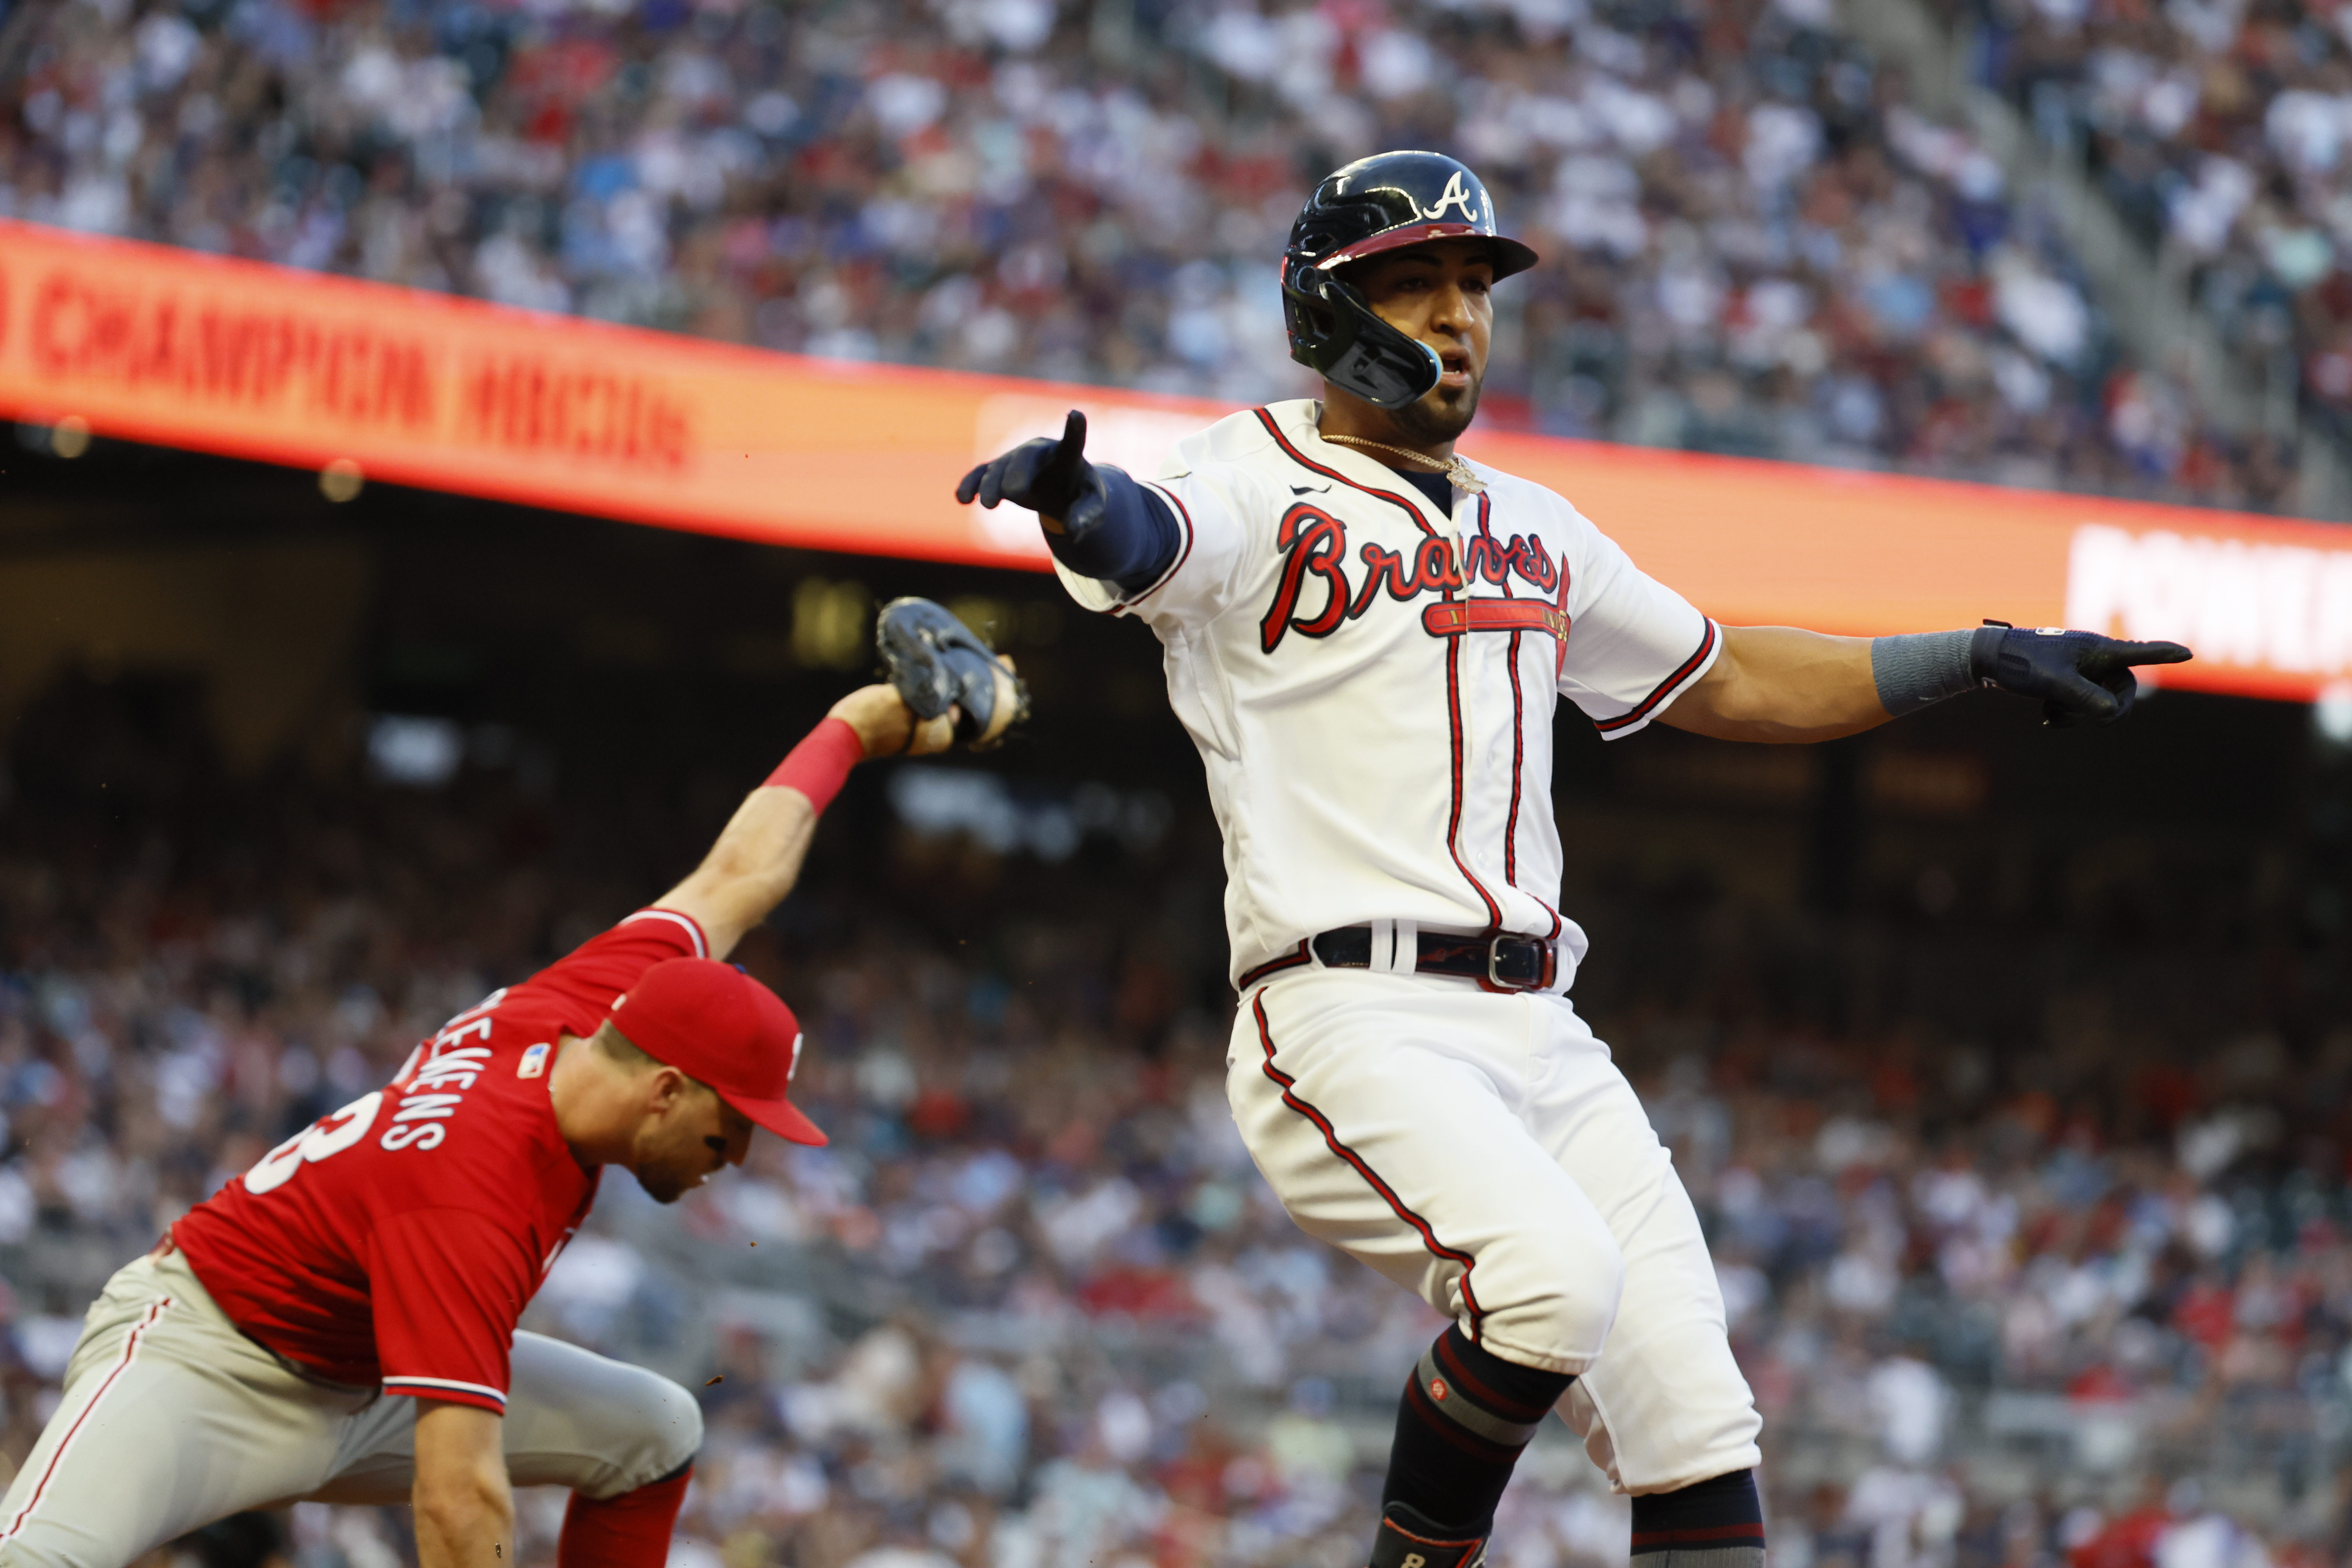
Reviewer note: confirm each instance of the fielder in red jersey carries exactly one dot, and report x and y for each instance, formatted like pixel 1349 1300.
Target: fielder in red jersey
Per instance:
pixel 339 1323
pixel 397 1241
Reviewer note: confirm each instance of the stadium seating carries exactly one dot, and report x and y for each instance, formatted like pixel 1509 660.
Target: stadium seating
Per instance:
pixel 2221 133
pixel 1756 243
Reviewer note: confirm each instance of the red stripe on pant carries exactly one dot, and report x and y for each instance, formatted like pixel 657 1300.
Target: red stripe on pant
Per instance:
pixel 64 1446
pixel 1290 1097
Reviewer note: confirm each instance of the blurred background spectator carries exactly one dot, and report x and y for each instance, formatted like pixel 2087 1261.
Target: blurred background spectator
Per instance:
pixel 2219 131
pixel 1755 242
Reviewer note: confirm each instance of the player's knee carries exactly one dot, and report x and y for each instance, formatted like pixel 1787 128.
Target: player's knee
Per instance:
pixel 678 1431
pixel 1567 1295
pixel 664 1432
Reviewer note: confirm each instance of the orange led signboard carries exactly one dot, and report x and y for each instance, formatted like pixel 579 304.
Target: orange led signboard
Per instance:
pixel 166 346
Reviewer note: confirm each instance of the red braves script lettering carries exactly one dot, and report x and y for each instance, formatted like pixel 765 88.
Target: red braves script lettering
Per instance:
pixel 438 1073
pixel 251 358
pixel 1316 546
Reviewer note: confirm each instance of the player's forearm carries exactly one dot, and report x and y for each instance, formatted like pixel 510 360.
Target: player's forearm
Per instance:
pixel 465 1525
pixel 758 856
pixel 1778 684
pixel 465 1509
pixel 1131 542
pixel 750 868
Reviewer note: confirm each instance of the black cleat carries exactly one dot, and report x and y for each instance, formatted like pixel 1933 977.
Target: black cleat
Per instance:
pixel 1408 1540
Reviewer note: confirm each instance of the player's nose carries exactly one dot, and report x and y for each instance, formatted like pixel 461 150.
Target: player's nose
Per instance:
pixel 1453 306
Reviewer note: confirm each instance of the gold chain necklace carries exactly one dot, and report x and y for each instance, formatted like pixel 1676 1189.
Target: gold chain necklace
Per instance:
pixel 1455 468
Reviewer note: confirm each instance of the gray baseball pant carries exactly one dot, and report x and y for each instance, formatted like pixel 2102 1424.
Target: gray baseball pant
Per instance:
pixel 171 1419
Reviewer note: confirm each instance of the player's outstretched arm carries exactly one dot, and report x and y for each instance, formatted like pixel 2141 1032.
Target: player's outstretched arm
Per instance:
pixel 758 856
pixel 465 1509
pixel 1777 683
pixel 1098 522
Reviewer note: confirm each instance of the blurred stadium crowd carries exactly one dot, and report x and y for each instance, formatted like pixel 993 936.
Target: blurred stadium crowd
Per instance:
pixel 1755 242
pixel 2000 1238
pixel 2223 132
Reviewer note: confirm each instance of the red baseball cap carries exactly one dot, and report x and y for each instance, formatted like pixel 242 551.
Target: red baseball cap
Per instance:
pixel 717 1025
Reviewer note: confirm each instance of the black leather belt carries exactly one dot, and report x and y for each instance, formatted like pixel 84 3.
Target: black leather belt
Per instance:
pixel 1498 963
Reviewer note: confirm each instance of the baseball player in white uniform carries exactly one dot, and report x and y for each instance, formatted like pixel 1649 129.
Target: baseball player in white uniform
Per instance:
pixel 1366 636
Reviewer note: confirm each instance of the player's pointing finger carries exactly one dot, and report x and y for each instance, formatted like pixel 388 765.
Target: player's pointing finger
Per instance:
pixel 2152 653
pixel 969 486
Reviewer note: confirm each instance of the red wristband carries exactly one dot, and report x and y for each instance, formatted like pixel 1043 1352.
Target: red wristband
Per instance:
pixel 821 762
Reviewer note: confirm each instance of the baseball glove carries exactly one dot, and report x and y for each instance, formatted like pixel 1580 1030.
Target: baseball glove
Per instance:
pixel 937 663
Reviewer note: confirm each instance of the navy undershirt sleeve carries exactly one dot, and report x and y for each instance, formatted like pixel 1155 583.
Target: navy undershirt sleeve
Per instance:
pixel 1134 544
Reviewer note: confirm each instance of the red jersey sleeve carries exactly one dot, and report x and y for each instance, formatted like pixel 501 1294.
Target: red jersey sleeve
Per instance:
pixel 599 969
pixel 448 1287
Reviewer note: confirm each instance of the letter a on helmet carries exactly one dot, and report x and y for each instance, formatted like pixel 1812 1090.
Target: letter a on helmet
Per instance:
pixel 1377 203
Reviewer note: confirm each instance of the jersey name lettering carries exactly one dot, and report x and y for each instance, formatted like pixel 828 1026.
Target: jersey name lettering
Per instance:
pixel 1315 544
pixel 433 1088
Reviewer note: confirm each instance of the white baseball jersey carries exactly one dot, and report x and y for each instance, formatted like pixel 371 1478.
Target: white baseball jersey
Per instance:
pixel 1371 682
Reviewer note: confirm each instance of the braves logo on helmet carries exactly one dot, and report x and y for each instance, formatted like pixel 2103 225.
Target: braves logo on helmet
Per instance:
pixel 1374 205
pixel 1457 194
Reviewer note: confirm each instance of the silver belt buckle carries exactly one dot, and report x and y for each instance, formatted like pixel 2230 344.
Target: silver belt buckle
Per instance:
pixel 1494 961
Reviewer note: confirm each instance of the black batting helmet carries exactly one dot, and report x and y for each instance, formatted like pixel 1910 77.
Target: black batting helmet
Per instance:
pixel 1374 205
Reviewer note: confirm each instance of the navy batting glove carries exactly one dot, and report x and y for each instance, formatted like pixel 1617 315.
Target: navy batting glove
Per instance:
pixel 1052 478
pixel 2077 675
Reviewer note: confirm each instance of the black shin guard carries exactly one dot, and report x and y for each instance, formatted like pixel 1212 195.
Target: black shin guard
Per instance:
pixel 1465 1417
pixel 1408 1541
pixel 1714 1523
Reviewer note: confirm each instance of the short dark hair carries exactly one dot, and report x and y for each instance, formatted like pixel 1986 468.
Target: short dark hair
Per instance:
pixel 623 1052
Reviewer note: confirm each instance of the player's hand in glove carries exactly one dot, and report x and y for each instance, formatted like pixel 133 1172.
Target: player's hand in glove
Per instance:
pixel 2077 675
pixel 1052 478
pixel 1098 522
pixel 947 675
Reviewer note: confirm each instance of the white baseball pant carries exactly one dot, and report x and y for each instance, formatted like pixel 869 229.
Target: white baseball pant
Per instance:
pixel 172 1419
pixel 1482 1151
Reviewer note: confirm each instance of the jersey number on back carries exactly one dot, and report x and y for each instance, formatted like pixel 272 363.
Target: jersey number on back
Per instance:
pixel 327 1136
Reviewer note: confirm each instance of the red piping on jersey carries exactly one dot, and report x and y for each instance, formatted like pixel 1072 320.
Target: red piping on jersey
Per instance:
pixel 1290 1098
pixel 1291 960
pixel 1665 689
pixel 1304 461
pixel 1181 556
pixel 1453 652
pixel 1518 768
pixel 57 1457
pixel 1453 821
pixel 1518 709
